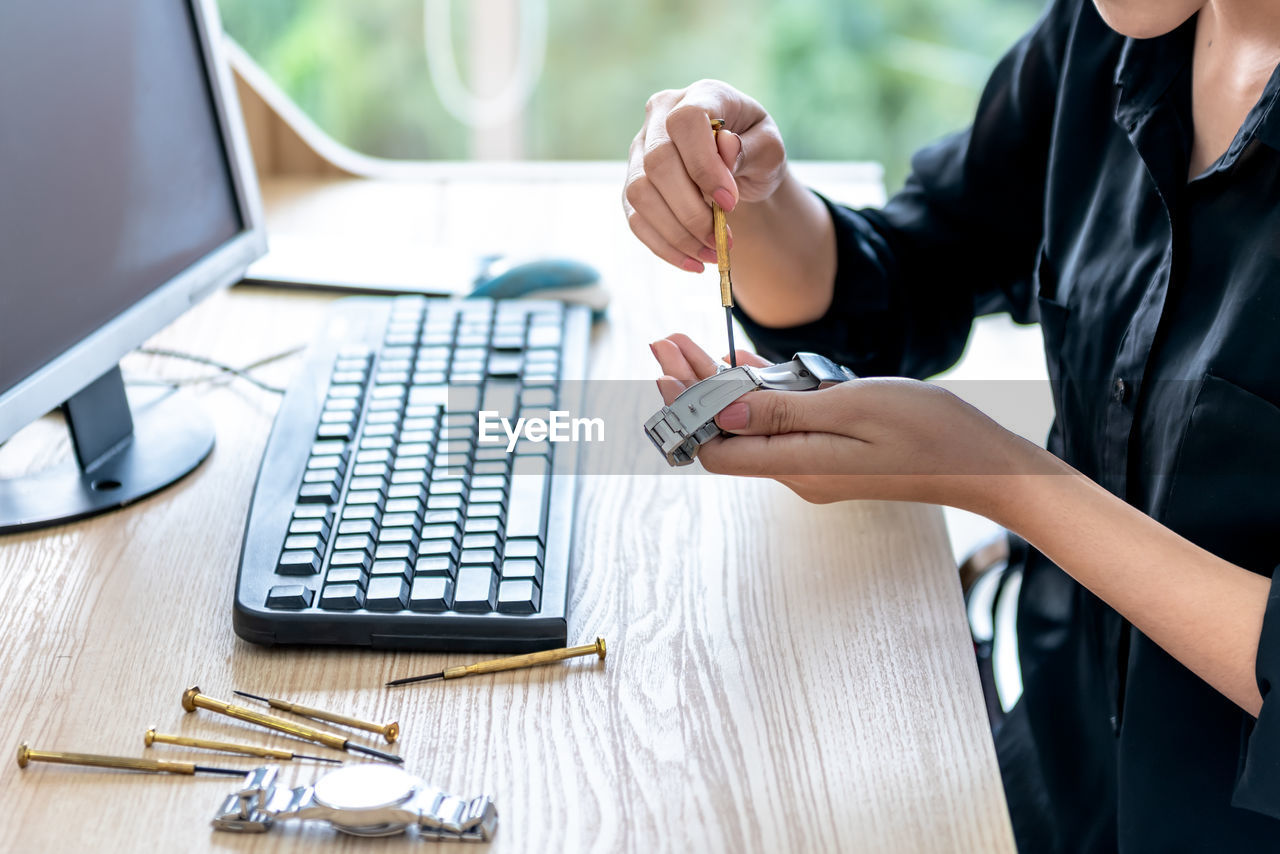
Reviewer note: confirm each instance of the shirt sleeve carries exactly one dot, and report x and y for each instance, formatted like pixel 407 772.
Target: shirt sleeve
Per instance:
pixel 959 240
pixel 1258 782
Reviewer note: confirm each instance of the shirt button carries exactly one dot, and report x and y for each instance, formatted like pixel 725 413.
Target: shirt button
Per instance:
pixel 1119 390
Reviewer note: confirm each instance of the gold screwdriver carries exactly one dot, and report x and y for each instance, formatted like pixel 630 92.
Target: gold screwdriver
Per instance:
pixel 515 662
pixel 128 763
pixel 192 699
pixel 721 229
pixel 152 737
pixel 389 731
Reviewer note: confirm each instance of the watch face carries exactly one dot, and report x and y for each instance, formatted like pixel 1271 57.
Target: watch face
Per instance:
pixel 365 787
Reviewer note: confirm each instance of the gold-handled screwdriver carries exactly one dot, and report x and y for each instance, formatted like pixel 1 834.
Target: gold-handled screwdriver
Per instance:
pixel 128 763
pixel 721 229
pixel 152 737
pixel 389 731
pixel 192 699
pixel 515 662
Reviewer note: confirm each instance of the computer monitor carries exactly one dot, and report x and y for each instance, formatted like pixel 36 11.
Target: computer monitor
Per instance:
pixel 127 194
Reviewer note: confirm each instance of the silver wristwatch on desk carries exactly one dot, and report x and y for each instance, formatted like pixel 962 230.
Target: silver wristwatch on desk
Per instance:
pixel 678 430
pixel 362 800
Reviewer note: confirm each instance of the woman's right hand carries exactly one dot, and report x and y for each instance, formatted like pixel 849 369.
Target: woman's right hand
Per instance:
pixel 677 166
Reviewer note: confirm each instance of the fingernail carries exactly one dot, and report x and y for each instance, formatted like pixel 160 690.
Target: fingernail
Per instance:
pixel 653 350
pixel 691 265
pixel 724 198
pixel 708 255
pixel 734 416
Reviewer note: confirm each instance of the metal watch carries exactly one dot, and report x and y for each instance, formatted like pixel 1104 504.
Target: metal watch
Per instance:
pixel 362 800
pixel 678 430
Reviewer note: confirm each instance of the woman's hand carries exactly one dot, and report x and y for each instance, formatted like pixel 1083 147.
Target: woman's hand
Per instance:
pixel 677 166
pixel 876 438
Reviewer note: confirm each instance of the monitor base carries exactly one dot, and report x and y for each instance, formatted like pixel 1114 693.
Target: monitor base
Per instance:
pixel 170 437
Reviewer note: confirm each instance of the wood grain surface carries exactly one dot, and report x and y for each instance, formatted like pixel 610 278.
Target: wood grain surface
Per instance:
pixel 780 677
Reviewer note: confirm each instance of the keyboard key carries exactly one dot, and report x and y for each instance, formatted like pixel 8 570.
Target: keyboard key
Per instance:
pixel 326 461
pixel 341 597
pixel 352 527
pixel 404 505
pixel 361 511
pixel 522 568
pixel 368 443
pixel 443 517
pixel 318 493
pixel 382 418
pixel 291 596
pixel 357 559
pixel 522 547
pixel 358 542
pixel 486 511
pixel 543 336
pixel 372 497
pixel 487 496
pixel 303 542
pixel 407 490
pixel 438 548
pixel 390 567
pixel 298 563
pixel 310 526
pixel 338 416
pixel 519 597
pixel 491 468
pixel 431 593
pixel 527 509
pixel 489 481
pixel 400 520
pixel 476 589
pixel 487 557
pixel 483 525
pixel 374 456
pixel 379 470
pixel 389 593
pixel 375 484
pixel 397 535
pixel 438 565
pixel 482 541
pixel 325 449
pixel 394 551
pixel 313 511
pixel 322 476
pixel 448 487
pixel 444 502
pixel 346 391
pixel 346 575
pixel 335 431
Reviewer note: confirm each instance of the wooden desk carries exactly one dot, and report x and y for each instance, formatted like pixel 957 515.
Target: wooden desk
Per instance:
pixel 781 677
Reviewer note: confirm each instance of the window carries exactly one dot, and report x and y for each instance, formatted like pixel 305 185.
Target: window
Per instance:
pixel 845 79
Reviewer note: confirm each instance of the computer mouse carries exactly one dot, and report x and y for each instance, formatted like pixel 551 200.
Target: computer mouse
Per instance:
pixel 562 279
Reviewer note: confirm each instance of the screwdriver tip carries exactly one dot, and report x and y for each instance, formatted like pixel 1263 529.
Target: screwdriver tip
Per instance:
pixel 410 679
pixel 386 757
pixel 205 769
pixel 318 758
pixel 251 696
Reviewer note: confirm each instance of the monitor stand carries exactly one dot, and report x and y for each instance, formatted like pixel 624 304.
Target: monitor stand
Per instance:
pixel 120 455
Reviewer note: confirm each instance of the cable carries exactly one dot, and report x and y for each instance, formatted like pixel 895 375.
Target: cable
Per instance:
pixel 223 368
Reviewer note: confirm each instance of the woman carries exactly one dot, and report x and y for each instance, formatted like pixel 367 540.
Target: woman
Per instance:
pixel 1120 183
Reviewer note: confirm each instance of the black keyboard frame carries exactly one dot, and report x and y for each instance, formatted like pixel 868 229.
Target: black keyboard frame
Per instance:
pixel 362 321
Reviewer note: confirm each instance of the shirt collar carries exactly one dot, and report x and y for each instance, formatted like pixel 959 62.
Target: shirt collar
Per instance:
pixel 1147 68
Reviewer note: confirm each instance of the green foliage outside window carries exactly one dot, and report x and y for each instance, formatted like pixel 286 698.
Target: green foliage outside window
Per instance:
pixel 857 80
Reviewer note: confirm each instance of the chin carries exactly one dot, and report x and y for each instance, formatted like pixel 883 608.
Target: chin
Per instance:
pixel 1146 19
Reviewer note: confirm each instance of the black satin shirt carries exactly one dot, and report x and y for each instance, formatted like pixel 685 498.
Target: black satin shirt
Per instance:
pixel 1068 201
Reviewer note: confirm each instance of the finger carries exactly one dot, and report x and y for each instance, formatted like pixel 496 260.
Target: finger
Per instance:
pixel 670 388
pixel 746 357
pixel 658 245
pixel 673 362
pixel 791 455
pixel 702 363
pixel 772 413
pixel 688 126
pixel 731 150
pixel 663 166
pixel 647 198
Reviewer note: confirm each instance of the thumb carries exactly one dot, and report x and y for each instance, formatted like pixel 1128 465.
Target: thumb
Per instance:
pixel 770 413
pixel 729 147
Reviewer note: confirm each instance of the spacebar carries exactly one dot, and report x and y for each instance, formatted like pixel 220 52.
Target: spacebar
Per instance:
pixel 527 509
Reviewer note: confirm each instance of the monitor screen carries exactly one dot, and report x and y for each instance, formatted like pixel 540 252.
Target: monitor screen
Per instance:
pixel 113 173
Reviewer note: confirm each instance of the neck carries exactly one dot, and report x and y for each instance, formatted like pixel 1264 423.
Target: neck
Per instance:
pixel 1245 34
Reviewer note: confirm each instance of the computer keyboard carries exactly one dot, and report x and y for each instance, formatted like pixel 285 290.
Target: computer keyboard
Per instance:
pixel 379 519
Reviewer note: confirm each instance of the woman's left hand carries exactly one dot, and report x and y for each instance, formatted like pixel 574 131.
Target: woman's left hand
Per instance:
pixel 890 439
